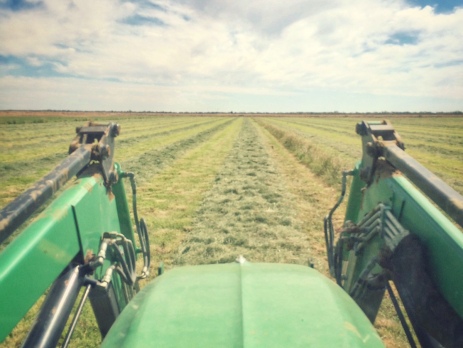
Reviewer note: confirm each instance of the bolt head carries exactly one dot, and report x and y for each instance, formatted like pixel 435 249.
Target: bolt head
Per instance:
pixel 115 130
pixel 361 129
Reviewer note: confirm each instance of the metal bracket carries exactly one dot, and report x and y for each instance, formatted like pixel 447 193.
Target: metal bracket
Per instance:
pixel 375 137
pixel 99 139
pixel 369 244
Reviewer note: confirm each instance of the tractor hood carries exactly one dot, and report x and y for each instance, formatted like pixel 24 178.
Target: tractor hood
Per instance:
pixel 242 305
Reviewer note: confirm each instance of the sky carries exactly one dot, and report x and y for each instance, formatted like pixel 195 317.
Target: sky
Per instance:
pixel 232 55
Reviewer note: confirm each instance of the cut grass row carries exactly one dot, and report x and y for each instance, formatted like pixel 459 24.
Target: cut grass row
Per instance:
pixel 247 212
pixel 171 198
pixel 23 167
pixel 165 138
pixel 29 143
pixel 435 142
pixel 146 164
pixel 321 159
pixel 62 132
pixel 426 136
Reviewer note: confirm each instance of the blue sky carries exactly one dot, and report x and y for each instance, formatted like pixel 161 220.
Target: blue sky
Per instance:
pixel 232 55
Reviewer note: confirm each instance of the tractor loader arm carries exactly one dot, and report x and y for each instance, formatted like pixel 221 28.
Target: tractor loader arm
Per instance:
pixel 394 233
pixel 83 238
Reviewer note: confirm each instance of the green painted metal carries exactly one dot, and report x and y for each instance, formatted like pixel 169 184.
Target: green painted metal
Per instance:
pixel 242 305
pixel 442 240
pixel 32 262
pixel 355 195
pixel 69 229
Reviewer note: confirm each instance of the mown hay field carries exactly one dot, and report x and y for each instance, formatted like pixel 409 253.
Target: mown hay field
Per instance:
pixel 218 186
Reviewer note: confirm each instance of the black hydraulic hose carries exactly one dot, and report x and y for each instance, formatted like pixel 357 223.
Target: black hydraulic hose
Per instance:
pixel 123 268
pixel 328 223
pixel 140 226
pixel 145 247
pixel 130 258
pixel 329 243
pixel 133 184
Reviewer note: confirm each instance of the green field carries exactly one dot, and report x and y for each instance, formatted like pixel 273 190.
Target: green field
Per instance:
pixel 218 186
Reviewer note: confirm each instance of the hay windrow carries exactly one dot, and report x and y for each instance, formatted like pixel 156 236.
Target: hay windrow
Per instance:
pixel 322 162
pixel 247 212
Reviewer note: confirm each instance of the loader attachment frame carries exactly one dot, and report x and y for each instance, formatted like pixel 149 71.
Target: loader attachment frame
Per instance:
pixel 393 232
pixel 84 238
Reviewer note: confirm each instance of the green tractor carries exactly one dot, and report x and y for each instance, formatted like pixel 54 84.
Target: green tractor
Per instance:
pixel 400 231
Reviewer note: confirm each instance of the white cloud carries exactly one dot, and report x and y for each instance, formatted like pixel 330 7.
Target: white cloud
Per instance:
pixel 240 47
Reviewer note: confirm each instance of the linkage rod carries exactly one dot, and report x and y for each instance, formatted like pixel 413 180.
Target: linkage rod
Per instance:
pixel 77 316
